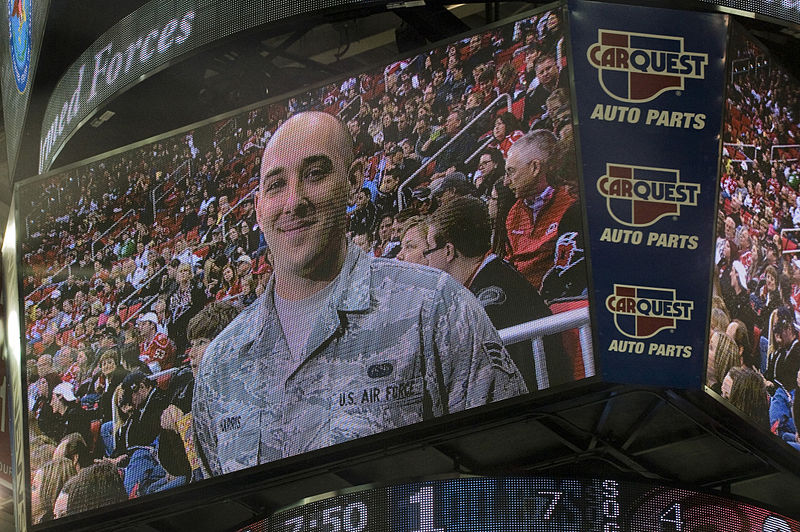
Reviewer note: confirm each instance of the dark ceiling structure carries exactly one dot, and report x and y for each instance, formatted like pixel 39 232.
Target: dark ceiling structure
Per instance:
pixel 588 430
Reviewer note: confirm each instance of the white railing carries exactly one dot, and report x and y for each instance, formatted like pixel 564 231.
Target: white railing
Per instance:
pixel 557 323
pixel 225 216
pixel 400 197
pixel 155 199
pixel 789 251
pixel 341 112
pixel 774 147
pixel 741 147
pixel 107 231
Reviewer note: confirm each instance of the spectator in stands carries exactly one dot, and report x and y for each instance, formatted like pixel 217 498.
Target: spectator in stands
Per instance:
pixel 110 376
pixel 75 448
pixel 543 218
pixel 783 362
pixel 363 218
pixel 548 78
pixel 459 243
pixel 231 286
pixel 186 301
pixel 176 441
pixel 155 349
pixel 383 236
pixel 749 394
pixel 414 241
pixel 64 415
pixel 96 486
pixel 46 486
pixel 148 404
pixel 491 167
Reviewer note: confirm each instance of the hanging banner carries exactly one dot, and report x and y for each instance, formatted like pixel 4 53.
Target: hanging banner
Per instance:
pixel 649 100
pixel 25 22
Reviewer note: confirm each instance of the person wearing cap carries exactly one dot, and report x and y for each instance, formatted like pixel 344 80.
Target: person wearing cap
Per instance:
pixel 297 370
pixel 139 438
pixel 156 349
pixel 783 362
pixel 64 415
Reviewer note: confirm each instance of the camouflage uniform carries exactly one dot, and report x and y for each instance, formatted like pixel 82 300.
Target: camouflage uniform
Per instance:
pixel 398 343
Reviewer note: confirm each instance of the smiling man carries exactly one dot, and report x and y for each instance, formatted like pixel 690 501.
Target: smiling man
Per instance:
pixel 340 345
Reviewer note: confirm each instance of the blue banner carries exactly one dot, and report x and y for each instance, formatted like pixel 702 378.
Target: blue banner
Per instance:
pixel 649 88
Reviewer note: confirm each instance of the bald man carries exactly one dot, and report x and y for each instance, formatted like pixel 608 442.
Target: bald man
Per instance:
pixel 340 345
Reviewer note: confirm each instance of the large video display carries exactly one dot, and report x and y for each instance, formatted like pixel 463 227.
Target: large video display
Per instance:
pixel 307 272
pixel 754 353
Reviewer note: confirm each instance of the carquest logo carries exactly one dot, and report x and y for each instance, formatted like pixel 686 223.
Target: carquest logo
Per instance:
pixel 639 196
pixel 638 67
pixel 644 311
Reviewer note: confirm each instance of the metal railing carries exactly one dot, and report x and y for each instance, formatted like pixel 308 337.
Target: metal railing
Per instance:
pixel 741 147
pixel 342 112
pixel 107 231
pixel 139 310
pixel 789 251
pixel 153 198
pixel 225 216
pixel 400 197
pixel 772 158
pixel 557 323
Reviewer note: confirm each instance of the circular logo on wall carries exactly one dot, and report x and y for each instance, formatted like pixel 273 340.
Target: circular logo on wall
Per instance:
pixel 19 36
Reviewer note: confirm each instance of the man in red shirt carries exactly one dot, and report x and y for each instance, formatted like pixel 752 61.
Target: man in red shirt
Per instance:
pixel 156 349
pixel 544 225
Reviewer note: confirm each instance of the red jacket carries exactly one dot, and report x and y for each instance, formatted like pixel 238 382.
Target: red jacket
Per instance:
pixel 533 245
pixel 160 350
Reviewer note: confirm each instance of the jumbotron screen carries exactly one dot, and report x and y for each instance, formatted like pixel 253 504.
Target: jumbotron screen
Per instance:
pixel 754 353
pixel 305 272
pixel 784 10
pixel 525 505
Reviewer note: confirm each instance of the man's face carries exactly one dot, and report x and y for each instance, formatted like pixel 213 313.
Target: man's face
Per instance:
pixel 385 229
pixel 547 72
pixel 730 228
pixel 107 366
pixel 196 352
pixel 146 328
pixel 412 246
pixel 302 199
pixel 524 176
pixel 436 259
pixel 362 199
pixel 485 164
pixel 452 124
pixel 139 395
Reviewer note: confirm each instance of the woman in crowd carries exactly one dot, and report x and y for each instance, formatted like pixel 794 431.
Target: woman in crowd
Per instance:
pixel 51 478
pixel 505 133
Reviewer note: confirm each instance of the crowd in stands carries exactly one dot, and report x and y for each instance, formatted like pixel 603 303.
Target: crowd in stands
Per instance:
pixel 754 354
pixel 132 264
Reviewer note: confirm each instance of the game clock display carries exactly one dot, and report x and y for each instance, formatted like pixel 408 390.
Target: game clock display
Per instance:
pixel 529 505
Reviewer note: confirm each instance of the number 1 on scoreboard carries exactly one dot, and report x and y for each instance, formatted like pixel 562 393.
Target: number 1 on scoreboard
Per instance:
pixel 424 498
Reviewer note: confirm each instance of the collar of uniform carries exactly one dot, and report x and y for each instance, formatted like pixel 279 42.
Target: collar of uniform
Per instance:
pixel 352 290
